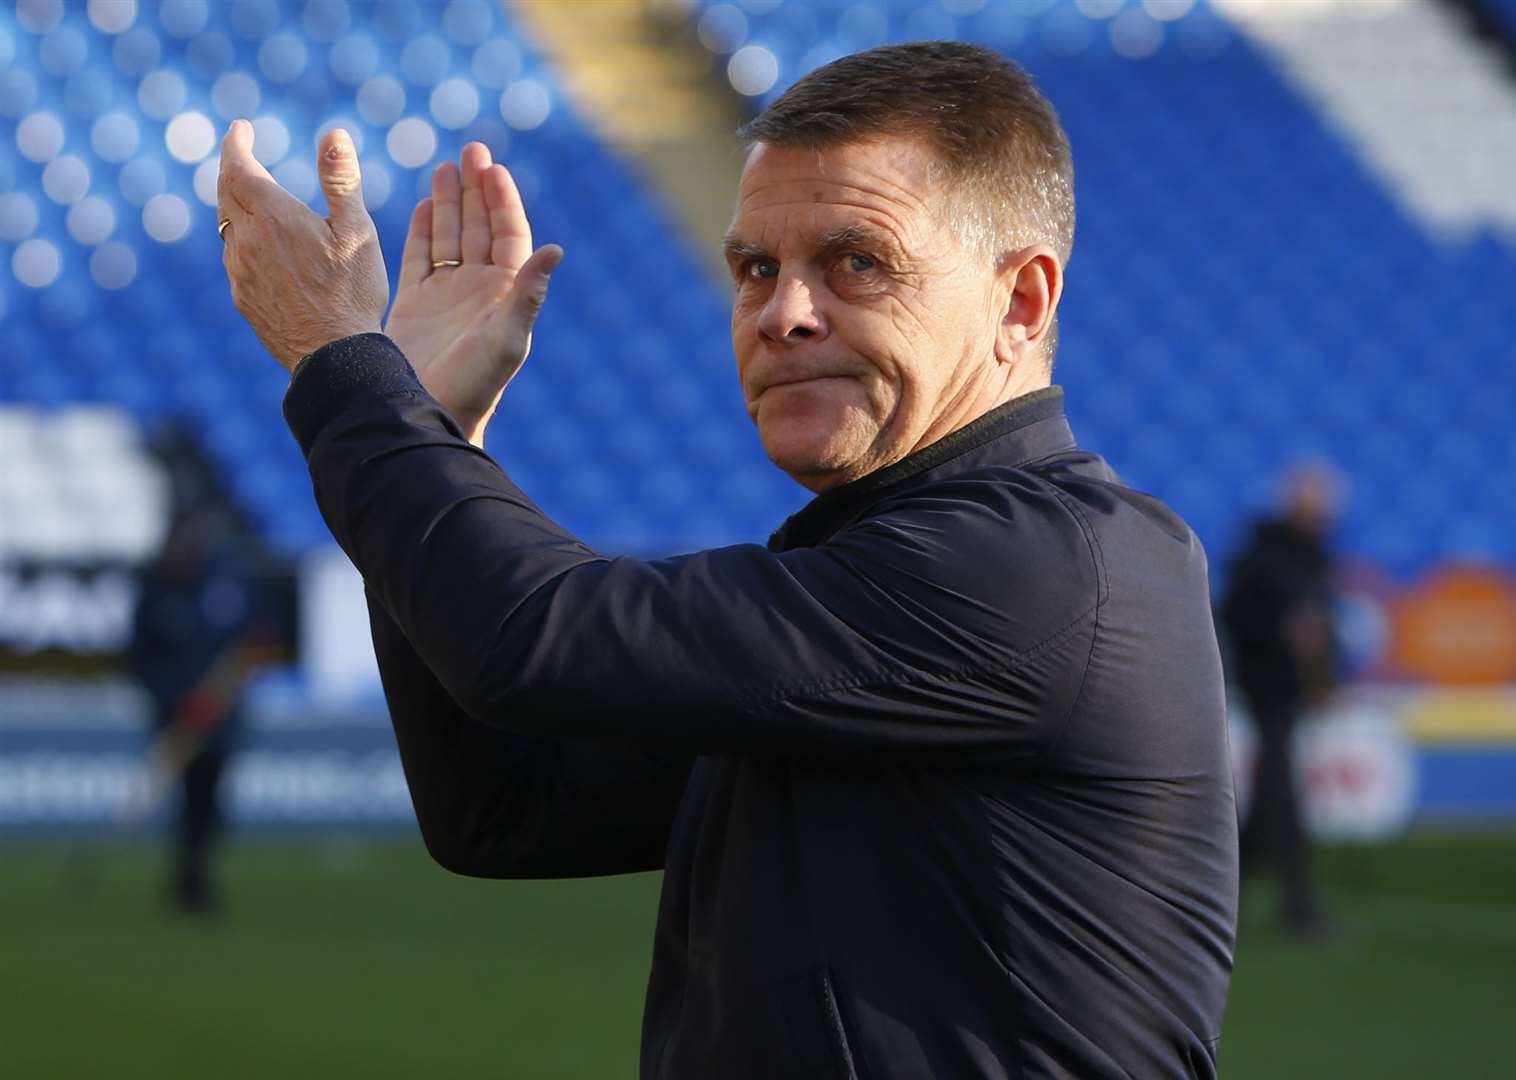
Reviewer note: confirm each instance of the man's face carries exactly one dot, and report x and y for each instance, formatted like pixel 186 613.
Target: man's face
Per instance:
pixel 1312 496
pixel 861 324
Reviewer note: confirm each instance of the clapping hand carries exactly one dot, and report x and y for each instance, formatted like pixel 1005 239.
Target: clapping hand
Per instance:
pixel 301 281
pixel 470 285
pixel 470 288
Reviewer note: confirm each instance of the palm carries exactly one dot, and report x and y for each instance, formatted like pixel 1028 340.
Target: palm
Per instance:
pixel 460 326
pixel 431 315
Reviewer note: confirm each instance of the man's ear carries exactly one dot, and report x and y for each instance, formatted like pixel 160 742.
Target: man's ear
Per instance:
pixel 1031 284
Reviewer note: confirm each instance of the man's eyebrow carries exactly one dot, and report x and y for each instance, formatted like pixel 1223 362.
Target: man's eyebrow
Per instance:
pixel 735 249
pixel 849 236
pixel 856 236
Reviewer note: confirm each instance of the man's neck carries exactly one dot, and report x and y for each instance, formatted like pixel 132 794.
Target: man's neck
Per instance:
pixel 974 401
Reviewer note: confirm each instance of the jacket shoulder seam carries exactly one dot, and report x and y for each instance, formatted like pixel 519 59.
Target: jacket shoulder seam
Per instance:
pixel 1102 594
pixel 1097 553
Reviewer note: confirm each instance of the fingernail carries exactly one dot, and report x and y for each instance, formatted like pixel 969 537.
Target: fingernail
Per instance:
pixel 340 145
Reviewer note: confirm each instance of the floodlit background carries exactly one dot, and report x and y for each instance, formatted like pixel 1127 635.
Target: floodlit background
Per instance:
pixel 1296 241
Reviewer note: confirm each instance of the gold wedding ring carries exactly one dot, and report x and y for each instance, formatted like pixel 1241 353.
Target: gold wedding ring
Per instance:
pixel 436 263
pixel 221 228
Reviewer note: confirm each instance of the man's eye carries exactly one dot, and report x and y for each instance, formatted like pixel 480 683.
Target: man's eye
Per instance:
pixel 762 268
pixel 858 264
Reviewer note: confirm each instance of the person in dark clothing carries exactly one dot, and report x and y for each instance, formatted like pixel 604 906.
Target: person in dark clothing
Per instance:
pixel 192 648
pixel 1277 616
pixel 938 778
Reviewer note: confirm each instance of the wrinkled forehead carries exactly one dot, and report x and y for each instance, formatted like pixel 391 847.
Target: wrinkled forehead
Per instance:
pixel 792 196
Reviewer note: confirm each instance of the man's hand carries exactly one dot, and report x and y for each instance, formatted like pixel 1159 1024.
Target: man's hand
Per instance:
pixel 466 328
pixel 299 280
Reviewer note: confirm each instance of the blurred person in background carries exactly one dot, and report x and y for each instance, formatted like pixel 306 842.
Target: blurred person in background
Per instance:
pixel 1277 613
pixel 938 779
pixel 195 641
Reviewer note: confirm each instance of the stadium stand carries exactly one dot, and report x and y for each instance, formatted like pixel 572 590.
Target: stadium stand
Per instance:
pixel 627 422
pixel 1242 293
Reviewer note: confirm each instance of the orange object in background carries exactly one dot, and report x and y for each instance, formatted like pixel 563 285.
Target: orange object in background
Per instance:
pixel 1458 626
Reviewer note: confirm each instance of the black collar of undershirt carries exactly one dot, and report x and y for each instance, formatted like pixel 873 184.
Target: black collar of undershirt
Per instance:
pixel 828 510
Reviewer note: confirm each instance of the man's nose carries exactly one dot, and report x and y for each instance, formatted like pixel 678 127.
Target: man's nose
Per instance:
pixel 791 315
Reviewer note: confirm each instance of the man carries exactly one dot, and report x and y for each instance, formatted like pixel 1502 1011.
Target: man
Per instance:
pixel 201 626
pixel 192 648
pixel 938 779
pixel 1277 612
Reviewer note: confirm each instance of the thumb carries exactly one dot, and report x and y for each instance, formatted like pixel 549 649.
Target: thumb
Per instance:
pixel 527 295
pixel 341 182
pixel 530 288
pixel 237 151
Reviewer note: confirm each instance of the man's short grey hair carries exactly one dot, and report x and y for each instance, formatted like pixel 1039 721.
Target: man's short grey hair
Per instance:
pixel 1000 153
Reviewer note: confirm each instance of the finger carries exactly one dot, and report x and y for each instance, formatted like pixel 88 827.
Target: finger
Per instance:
pixel 474 243
pixel 510 232
pixel 527 296
pixel 446 212
pixel 416 261
pixel 237 172
pixel 342 182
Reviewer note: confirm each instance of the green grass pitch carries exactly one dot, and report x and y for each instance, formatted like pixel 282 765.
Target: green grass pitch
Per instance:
pixel 359 958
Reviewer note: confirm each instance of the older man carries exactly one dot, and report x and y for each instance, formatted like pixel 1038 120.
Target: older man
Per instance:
pixel 939 777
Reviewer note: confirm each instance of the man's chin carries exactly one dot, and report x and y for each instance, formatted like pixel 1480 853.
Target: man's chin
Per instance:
pixel 813 462
pixel 816 434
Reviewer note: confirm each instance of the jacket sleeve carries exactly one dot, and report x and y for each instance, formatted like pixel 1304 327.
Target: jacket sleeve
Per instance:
pixel 959 620
pixel 492 803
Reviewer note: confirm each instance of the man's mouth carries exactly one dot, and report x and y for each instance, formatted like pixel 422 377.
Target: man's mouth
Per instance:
pixel 796 380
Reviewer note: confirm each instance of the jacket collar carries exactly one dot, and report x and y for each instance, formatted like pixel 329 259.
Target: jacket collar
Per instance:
pixel 1024 429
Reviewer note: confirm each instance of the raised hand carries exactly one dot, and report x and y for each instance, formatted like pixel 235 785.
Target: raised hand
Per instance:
pixel 470 288
pixel 301 281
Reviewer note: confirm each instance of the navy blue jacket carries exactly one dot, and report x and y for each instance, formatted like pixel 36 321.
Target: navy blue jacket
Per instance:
pixel 938 779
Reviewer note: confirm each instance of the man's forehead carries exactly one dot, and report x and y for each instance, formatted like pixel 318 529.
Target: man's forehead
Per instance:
pixel 882 185
pixel 894 165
